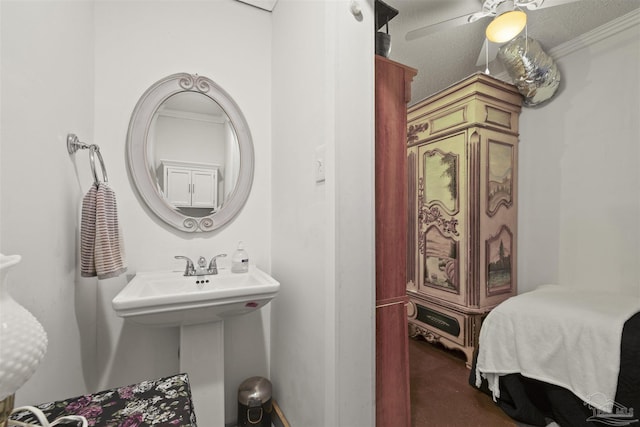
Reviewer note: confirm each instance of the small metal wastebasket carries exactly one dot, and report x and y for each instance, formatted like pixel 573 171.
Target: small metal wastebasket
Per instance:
pixel 254 403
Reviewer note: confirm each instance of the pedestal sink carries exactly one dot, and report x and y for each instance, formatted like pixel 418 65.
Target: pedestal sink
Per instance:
pixel 198 305
pixel 168 298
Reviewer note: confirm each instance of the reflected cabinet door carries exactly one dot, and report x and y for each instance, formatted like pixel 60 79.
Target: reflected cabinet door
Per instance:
pixel 204 188
pixel 190 187
pixel 179 186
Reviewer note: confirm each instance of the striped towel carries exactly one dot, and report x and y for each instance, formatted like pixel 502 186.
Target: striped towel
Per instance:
pixel 101 248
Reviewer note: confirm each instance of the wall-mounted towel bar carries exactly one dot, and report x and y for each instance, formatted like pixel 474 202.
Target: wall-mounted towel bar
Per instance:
pixel 74 144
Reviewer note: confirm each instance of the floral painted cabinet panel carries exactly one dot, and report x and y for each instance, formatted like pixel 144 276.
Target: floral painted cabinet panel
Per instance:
pixel 462 172
pixel 440 218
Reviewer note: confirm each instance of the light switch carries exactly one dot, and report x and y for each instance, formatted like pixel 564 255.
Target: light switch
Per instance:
pixel 319 163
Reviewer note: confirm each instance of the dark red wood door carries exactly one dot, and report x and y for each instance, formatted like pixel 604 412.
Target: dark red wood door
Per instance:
pixel 392 363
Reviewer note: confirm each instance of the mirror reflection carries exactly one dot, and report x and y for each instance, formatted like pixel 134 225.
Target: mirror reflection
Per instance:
pixel 193 153
pixel 190 153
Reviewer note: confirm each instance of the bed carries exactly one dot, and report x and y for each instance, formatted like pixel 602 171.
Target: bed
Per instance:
pixel 562 354
pixel 160 402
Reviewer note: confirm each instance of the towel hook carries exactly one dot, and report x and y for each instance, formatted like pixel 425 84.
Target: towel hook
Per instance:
pixel 74 144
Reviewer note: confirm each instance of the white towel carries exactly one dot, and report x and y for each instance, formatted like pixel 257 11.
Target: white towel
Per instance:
pixel 559 335
pixel 101 246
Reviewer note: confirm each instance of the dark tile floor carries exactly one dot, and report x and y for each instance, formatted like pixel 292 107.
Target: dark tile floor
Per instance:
pixel 440 392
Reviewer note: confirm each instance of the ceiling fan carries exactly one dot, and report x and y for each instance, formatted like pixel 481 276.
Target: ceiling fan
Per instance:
pixel 490 8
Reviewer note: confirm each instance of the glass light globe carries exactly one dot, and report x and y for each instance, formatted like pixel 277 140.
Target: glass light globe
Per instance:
pixel 506 26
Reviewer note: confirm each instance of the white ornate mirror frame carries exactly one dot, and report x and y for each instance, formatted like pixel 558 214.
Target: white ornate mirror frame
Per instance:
pixel 138 149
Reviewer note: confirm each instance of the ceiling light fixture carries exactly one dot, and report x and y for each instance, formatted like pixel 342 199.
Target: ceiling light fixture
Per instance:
pixel 506 26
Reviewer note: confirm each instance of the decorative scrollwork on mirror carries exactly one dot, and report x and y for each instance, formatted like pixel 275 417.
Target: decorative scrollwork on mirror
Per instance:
pixel 190 153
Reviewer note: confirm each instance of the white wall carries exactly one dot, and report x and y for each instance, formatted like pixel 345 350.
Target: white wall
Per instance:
pixel 579 201
pixel 47 91
pixel 81 67
pixel 137 43
pixel 323 233
pixel 184 139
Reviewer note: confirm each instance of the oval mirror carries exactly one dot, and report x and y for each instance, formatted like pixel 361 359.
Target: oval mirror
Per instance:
pixel 190 153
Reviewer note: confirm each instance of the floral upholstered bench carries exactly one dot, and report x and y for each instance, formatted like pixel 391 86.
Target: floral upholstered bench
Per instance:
pixel 161 402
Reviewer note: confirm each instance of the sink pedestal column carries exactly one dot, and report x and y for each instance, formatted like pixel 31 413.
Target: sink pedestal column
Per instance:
pixel 202 358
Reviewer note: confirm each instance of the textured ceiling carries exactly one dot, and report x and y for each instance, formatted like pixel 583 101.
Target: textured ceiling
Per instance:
pixel 450 55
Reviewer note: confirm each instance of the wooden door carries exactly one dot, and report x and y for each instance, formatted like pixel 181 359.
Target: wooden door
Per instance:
pixel 392 361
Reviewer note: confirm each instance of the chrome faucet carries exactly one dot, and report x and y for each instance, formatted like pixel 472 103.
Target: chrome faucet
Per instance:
pixel 190 270
pixel 202 267
pixel 213 267
pixel 202 270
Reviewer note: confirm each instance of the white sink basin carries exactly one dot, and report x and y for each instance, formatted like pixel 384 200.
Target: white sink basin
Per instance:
pixel 167 298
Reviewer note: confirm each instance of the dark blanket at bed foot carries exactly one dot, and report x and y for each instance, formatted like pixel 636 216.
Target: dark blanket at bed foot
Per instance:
pixel 532 402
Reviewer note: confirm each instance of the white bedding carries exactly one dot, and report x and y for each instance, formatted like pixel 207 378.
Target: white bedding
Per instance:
pixel 559 335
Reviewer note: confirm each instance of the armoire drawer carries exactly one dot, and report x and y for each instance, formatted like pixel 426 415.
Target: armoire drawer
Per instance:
pixel 441 320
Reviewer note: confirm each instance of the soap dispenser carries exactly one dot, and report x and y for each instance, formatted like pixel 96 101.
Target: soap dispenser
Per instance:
pixel 240 260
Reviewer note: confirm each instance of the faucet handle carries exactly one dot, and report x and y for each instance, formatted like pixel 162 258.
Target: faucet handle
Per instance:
pixel 213 266
pixel 190 270
pixel 202 262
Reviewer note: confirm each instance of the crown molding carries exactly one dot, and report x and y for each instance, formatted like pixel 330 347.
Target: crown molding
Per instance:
pixel 597 34
pixel 267 5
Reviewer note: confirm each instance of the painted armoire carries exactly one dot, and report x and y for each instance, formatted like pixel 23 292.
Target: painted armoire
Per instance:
pixel 462 174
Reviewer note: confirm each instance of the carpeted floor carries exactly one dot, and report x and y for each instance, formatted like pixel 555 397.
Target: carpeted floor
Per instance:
pixel 441 395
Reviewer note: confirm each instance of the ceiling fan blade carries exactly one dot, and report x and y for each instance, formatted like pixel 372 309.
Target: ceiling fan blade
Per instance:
pixel 493 53
pixel 541 4
pixel 444 25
